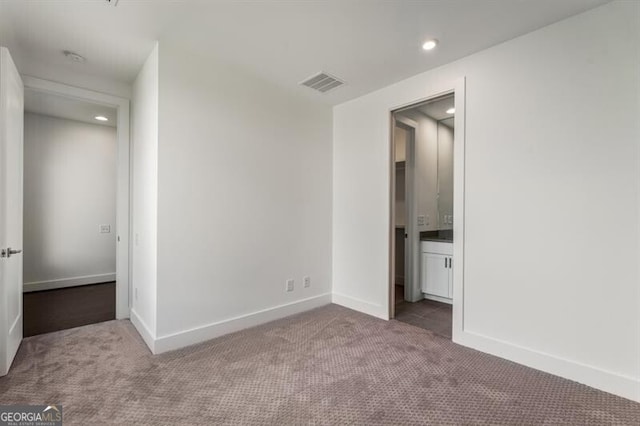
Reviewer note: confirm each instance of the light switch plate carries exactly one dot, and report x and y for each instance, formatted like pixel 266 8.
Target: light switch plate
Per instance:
pixel 306 281
pixel 289 286
pixel 105 229
pixel 422 220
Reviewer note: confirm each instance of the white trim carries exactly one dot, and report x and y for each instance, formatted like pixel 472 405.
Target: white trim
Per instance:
pixel 68 282
pixel 143 330
pixel 123 215
pixel 359 305
pixel 412 241
pixel 407 122
pixel 458 88
pixel 211 331
pixel 437 298
pixel 608 381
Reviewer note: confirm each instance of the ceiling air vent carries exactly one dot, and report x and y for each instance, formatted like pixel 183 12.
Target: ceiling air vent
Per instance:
pixel 322 82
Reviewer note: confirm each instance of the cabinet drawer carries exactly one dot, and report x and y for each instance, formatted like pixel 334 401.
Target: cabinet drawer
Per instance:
pixel 436 247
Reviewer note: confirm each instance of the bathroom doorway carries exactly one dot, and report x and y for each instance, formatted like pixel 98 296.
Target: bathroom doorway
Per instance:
pixel 423 151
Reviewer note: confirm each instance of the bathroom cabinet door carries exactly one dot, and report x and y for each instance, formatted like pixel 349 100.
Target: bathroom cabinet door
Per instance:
pixel 435 274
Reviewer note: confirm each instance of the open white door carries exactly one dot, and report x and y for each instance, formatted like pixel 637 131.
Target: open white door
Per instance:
pixel 11 163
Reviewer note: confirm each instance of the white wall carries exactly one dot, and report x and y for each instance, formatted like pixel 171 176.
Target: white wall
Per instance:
pixel 445 175
pixel 426 179
pixel 400 139
pixel 144 131
pixel 551 199
pixel 244 199
pixel 69 190
pixel 34 67
pixel 434 171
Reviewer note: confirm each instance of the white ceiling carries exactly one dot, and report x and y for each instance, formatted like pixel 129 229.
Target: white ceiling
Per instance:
pixel 72 109
pixel 449 122
pixel 368 43
pixel 437 109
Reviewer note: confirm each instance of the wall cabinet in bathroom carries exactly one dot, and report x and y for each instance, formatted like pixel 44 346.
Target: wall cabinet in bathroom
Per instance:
pixel 436 270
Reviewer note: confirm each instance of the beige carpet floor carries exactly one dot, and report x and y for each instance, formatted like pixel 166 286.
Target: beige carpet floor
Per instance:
pixel 327 366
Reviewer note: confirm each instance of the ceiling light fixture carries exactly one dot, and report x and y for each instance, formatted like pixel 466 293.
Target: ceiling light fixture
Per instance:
pixel 451 111
pixel 101 118
pixel 430 44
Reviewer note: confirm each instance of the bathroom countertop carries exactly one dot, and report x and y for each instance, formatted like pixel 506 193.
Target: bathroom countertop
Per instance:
pixel 436 239
pixel 441 236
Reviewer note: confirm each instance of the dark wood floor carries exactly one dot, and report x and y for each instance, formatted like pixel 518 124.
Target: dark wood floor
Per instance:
pixel 428 314
pixel 52 310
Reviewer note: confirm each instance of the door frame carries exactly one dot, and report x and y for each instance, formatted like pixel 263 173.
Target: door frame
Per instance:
pixel 123 186
pixel 411 211
pixel 456 87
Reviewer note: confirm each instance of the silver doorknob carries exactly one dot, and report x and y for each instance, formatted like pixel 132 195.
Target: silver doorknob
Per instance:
pixel 8 252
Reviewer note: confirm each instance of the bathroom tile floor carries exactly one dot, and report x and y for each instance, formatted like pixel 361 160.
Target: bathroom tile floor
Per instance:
pixel 427 314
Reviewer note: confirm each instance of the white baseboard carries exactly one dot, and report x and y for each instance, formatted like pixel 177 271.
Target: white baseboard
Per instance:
pixel 68 282
pixel 617 384
pixel 360 306
pixel 142 329
pixel 438 298
pixel 220 328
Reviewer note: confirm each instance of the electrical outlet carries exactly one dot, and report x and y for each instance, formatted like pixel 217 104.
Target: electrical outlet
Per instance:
pixel 105 229
pixel 289 286
pixel 306 282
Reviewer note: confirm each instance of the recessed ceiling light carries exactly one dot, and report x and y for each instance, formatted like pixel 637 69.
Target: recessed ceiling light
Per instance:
pixel 101 118
pixel 449 111
pixel 430 44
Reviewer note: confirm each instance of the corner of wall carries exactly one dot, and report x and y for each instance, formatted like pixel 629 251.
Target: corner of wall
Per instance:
pixel 360 305
pixel 144 201
pixel 148 336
